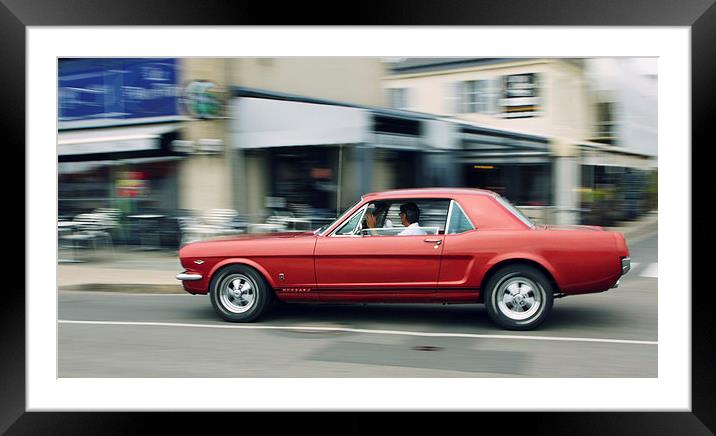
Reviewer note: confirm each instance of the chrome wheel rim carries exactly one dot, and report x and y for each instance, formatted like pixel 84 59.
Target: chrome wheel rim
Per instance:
pixel 238 293
pixel 519 298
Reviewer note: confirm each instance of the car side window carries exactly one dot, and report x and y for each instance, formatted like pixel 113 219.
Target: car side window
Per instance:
pixel 459 222
pixel 432 218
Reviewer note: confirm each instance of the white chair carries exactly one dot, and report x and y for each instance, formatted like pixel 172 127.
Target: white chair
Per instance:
pixel 266 228
pixel 93 227
pixel 213 223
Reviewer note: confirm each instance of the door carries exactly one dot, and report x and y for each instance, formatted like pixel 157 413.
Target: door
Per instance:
pixel 355 263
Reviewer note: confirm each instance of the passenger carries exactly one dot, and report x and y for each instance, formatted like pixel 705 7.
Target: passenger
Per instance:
pixel 372 214
pixel 409 216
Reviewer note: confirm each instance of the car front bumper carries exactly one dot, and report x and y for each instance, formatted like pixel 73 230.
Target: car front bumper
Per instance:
pixel 185 276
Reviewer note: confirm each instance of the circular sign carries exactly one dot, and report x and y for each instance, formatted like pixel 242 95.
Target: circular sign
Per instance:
pixel 203 99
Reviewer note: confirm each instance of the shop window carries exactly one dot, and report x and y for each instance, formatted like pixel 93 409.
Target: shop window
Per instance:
pixel 521 184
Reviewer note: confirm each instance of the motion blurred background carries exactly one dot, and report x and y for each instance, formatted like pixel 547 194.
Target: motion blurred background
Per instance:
pixel 154 153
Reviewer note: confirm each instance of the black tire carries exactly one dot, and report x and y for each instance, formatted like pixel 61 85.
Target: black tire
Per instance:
pixel 239 293
pixel 525 309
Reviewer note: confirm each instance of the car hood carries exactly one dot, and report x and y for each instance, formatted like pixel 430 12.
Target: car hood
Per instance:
pixel 254 237
pixel 252 244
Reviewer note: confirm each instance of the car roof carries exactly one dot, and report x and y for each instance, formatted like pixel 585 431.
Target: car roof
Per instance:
pixel 426 192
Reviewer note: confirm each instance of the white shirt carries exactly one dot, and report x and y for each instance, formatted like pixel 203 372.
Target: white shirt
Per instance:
pixel 413 229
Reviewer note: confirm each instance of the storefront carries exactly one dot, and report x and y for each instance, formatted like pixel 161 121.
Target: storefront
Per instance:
pixel 615 185
pixel 517 166
pixel 305 175
pixel 324 155
pixel 118 120
pixel 131 185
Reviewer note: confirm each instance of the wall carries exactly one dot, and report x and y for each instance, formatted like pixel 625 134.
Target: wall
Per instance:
pixel 205 181
pixel 565 99
pixel 632 84
pixel 352 80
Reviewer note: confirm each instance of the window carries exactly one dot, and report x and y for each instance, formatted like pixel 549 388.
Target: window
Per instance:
pixel 432 217
pixel 521 98
pixel 459 222
pixel 605 128
pixel 528 184
pixel 398 98
pixel 515 211
pixel 323 228
pixel 351 226
pixel 474 97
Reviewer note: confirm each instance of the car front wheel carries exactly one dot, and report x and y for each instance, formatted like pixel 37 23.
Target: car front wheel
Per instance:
pixel 239 294
pixel 519 297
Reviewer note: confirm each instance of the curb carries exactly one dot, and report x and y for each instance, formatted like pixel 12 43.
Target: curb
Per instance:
pixel 635 234
pixel 127 288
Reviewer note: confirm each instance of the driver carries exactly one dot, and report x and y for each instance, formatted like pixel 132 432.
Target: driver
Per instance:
pixel 409 217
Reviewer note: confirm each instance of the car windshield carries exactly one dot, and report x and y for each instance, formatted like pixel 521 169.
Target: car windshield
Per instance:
pixel 321 230
pixel 515 211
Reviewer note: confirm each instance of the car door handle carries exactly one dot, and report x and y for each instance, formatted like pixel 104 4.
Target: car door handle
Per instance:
pixel 434 241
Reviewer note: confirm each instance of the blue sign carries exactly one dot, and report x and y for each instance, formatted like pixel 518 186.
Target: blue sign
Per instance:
pixel 112 89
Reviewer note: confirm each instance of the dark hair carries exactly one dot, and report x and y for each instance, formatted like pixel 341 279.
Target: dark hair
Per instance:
pixel 412 213
pixel 377 207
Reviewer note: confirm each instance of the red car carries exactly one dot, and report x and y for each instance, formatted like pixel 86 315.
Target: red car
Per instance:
pixel 430 245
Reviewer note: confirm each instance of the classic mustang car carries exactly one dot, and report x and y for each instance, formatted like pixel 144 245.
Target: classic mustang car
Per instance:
pixel 431 245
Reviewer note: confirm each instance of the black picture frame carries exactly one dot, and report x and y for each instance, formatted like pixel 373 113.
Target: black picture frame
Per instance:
pixel 16 15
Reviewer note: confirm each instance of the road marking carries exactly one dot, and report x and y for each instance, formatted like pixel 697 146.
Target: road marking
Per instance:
pixel 354 330
pixel 651 271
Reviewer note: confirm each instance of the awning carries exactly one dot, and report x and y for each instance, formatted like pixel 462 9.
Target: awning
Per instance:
pixel 532 158
pixel 111 140
pixel 81 167
pixel 261 123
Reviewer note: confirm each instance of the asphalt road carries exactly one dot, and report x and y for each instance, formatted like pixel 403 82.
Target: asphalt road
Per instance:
pixel 612 334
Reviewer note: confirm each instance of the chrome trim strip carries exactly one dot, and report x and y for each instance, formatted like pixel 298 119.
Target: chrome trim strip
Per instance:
pixel 447 223
pixel 188 277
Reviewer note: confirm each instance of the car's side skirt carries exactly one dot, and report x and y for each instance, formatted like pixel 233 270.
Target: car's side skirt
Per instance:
pixel 381 296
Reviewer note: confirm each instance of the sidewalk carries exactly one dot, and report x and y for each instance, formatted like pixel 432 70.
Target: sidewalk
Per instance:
pixel 122 270
pixel 635 230
pixel 136 271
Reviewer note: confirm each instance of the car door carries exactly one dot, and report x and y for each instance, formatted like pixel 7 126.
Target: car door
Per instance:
pixel 463 253
pixel 355 265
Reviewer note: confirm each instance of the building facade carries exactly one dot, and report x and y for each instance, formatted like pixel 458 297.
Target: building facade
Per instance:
pixel 117 120
pixel 594 134
pixel 259 135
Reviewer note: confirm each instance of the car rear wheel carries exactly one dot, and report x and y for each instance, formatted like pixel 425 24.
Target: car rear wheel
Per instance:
pixel 239 294
pixel 519 297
